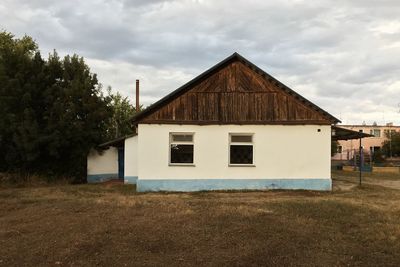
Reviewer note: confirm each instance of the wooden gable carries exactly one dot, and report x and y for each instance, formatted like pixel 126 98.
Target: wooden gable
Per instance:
pixel 234 92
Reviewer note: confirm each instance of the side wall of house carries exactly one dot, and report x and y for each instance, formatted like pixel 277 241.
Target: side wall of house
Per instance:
pixel 102 166
pixel 131 160
pixel 285 156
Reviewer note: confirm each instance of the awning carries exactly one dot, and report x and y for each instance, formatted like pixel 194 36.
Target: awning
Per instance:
pixel 339 133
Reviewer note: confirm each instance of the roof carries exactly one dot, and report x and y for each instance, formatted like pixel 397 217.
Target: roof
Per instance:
pixel 235 56
pixel 369 126
pixel 339 133
pixel 117 142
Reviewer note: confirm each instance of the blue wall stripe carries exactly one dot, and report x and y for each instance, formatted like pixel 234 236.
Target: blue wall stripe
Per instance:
pixel 186 185
pixel 130 179
pixel 103 177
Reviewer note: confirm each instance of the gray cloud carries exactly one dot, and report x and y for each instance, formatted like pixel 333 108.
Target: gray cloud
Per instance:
pixel 343 55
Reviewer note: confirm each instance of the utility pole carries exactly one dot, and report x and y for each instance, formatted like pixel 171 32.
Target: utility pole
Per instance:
pixel 360 159
pixel 390 141
pixel 360 165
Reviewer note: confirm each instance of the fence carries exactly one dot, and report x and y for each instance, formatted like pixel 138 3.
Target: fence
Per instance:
pixel 353 158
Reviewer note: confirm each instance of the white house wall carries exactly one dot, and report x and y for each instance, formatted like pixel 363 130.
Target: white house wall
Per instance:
pixel 285 156
pixel 102 166
pixel 131 160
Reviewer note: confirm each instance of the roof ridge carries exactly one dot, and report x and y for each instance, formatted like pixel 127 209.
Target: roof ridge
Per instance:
pixel 235 55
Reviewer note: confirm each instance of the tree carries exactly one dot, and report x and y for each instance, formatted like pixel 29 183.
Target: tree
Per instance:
pixel 53 111
pixel 391 146
pixel 334 147
pixel 122 112
pixel 20 65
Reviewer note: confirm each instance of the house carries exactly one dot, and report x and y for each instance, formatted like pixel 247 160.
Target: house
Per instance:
pixel 232 127
pixel 371 145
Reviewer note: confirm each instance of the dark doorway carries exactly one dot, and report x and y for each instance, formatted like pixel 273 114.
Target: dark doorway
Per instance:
pixel 121 157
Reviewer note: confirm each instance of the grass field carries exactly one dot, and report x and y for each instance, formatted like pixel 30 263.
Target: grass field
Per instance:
pixel 108 225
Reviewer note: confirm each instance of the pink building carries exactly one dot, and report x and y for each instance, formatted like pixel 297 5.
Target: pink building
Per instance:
pixel 370 145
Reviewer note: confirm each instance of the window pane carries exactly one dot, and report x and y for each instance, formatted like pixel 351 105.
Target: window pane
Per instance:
pixel 241 154
pixel 241 138
pixel 181 153
pixel 377 133
pixel 182 137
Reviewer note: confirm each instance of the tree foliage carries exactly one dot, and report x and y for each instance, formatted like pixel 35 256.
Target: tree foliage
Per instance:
pixel 52 110
pixel 122 111
pixel 391 146
pixel 334 147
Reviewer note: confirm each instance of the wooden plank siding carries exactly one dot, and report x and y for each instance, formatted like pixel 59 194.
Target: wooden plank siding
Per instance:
pixel 236 94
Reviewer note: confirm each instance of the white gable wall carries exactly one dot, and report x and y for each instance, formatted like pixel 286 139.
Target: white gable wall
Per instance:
pixel 102 166
pixel 280 152
pixel 131 160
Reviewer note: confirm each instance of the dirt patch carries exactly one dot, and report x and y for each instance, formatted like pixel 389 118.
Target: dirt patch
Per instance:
pixel 345 179
pixel 339 185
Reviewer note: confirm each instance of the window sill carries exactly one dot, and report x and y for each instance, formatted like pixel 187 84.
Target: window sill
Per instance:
pixel 241 165
pixel 182 164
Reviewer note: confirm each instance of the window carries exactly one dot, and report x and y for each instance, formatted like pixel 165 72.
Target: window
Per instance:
pixel 241 149
pixel 375 132
pixel 181 148
pixel 361 131
pixel 339 149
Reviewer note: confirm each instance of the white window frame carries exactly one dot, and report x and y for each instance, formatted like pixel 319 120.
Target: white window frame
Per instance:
pixel 241 143
pixel 172 142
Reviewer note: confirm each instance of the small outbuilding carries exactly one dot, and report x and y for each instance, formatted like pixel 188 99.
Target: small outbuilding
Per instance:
pixel 116 159
pixel 232 127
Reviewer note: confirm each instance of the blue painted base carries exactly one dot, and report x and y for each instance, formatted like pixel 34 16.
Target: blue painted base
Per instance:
pixel 103 177
pixel 187 185
pixel 130 179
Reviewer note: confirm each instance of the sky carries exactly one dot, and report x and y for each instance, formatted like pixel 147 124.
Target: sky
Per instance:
pixel 342 55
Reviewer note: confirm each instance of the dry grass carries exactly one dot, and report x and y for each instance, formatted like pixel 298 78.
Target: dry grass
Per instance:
pixel 88 225
pixel 8 180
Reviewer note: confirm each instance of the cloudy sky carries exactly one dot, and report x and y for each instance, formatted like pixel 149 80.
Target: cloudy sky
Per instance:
pixel 342 55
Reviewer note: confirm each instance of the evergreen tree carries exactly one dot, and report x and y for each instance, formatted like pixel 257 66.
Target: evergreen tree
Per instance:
pixel 52 111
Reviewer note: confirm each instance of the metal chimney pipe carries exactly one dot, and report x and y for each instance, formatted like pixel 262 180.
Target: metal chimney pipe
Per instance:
pixel 137 96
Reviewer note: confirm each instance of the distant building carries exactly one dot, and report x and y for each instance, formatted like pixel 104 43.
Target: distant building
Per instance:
pixel 370 145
